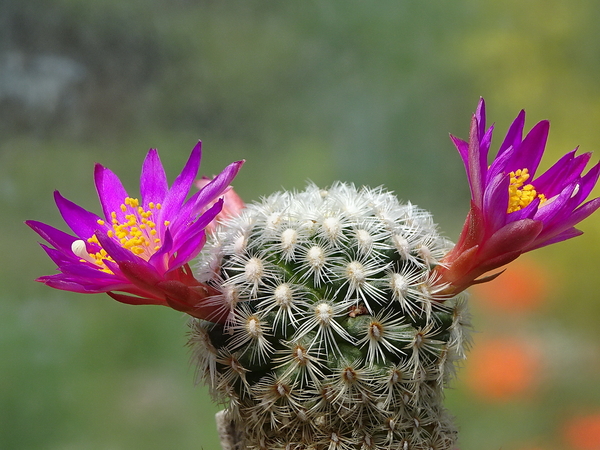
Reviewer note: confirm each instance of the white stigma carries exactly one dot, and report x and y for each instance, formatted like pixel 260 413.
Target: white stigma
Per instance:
pixel 254 270
pixel 80 249
pixel 283 295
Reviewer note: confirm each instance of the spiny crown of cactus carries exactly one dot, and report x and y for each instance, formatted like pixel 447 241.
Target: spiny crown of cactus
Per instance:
pixel 335 335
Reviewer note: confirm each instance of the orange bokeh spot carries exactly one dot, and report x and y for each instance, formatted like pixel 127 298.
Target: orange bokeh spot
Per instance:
pixel 503 369
pixel 583 433
pixel 522 288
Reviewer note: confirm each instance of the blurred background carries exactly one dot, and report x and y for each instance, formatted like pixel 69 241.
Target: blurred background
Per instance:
pixel 359 91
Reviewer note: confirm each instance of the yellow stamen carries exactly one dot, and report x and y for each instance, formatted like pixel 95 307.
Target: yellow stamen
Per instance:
pixel 520 194
pixel 136 233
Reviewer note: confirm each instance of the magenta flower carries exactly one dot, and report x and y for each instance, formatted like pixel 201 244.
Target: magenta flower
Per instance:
pixel 139 252
pixel 513 210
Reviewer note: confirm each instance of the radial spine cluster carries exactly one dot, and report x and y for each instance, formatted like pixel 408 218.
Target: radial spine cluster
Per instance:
pixel 332 332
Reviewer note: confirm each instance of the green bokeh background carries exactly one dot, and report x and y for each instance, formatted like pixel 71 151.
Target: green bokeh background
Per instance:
pixel 353 90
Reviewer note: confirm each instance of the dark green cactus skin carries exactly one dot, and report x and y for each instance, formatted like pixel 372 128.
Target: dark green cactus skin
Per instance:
pixel 337 336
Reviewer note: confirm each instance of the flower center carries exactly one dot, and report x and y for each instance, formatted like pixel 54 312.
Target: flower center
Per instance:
pixel 520 194
pixel 137 233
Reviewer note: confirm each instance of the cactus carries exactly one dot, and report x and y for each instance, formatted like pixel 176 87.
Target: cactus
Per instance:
pixel 324 319
pixel 333 333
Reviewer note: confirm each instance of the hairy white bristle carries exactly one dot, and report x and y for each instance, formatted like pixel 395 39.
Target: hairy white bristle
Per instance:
pixel 425 253
pixel 300 354
pixel 324 313
pixel 332 229
pixel 283 295
pixel 273 221
pixel 402 245
pixel 355 272
pixel 375 330
pixel 364 241
pixel 254 270
pixel 231 296
pixel 399 285
pixel 289 238
pixel 239 245
pixel 253 327
pixel 316 257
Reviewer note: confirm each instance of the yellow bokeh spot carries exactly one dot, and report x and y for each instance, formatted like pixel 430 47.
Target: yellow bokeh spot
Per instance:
pixel 520 194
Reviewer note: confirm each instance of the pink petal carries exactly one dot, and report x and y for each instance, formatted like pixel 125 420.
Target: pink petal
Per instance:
pixel 189 250
pixel 514 136
pixel 181 186
pixel 111 192
pixel 55 237
pixel 153 181
pixel 529 153
pixel 80 220
pixel 477 167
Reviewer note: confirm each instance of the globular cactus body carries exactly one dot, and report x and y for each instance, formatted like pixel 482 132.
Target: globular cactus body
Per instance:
pixel 334 332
